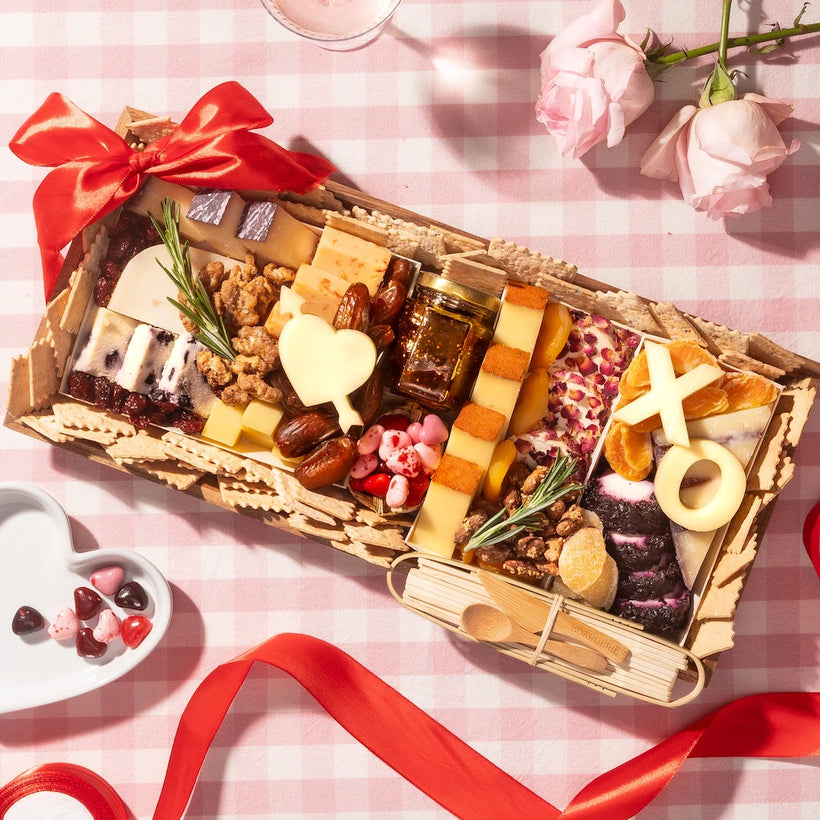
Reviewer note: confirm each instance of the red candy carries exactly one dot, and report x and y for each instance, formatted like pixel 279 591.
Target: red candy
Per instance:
pixel 394 421
pixel 87 603
pixel 134 630
pixel 376 484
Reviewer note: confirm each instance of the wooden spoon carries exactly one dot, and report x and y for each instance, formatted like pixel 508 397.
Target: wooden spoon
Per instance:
pixel 488 623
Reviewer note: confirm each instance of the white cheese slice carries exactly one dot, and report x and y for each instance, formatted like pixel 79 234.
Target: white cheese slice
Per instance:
pixel 145 357
pixel 104 350
pixel 740 433
pixel 181 381
pixel 143 289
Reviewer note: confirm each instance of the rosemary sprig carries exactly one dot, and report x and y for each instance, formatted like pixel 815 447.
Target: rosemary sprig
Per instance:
pixel 508 524
pixel 198 308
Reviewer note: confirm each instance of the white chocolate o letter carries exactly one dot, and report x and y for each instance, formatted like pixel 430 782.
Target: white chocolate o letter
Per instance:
pixel 670 474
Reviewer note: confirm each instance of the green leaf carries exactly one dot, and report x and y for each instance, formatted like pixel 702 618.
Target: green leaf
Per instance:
pixel 719 88
pixel 198 307
pixel 506 524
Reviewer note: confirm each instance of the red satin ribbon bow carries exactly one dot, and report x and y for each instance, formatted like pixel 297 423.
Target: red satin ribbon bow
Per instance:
pixel 95 170
pixel 785 724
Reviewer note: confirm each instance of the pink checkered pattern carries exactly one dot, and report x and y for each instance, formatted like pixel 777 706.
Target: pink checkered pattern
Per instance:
pixel 437 116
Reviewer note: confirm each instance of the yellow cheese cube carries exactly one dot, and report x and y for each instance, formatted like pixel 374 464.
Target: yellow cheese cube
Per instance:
pixel 352 258
pixel 475 434
pixel 322 291
pixel 452 489
pixel 273 235
pixel 499 380
pixel 520 315
pixel 224 424
pixel 259 421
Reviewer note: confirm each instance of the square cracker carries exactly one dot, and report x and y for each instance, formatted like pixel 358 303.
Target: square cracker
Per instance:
pixel 19 401
pixel 42 375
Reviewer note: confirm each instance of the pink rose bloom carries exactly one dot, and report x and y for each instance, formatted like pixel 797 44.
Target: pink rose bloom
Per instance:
pixel 721 155
pixel 593 82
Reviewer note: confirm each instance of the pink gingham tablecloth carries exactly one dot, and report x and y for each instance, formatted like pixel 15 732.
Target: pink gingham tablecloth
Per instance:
pixel 437 116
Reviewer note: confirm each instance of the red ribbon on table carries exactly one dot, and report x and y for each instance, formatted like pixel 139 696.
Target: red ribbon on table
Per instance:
pixel 785 724
pixel 95 170
pixel 811 537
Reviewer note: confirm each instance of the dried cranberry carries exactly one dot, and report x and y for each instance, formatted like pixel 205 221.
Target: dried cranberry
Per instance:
pixel 103 393
pixel 103 288
pixel 135 404
pixel 81 386
pixel 121 247
pixel 118 397
pixel 149 233
pixel 189 422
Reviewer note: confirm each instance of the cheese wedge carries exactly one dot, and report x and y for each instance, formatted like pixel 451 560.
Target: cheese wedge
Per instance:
pixel 352 258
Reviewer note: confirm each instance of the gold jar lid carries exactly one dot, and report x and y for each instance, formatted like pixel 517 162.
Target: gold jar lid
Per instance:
pixel 458 290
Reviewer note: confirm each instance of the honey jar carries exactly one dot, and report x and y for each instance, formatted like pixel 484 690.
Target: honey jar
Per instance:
pixel 442 336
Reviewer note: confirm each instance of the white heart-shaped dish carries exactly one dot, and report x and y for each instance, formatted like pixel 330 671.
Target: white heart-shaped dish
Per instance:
pixel 41 569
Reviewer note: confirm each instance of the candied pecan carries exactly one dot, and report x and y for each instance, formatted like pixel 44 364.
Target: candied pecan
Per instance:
pixel 511 499
pixel 212 274
pixel 517 473
pixel 494 554
pixel 571 521
pixel 530 546
pixel 278 275
pixel 256 342
pixel 214 368
pixel 553 547
pixel 556 510
pixel 245 297
pixel 475 518
pixel 525 570
pixel 531 482
pixel 258 388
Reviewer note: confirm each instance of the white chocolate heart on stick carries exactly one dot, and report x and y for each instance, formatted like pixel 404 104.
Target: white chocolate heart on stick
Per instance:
pixel 326 365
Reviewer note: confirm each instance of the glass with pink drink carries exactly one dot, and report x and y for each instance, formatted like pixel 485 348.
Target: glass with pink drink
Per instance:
pixel 338 25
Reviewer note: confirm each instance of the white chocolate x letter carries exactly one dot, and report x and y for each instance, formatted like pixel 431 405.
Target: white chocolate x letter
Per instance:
pixel 666 393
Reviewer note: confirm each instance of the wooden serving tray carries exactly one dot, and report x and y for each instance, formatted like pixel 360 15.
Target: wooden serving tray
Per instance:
pixel 333 516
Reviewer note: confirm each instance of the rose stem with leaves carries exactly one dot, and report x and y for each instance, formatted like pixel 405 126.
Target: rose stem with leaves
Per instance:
pixel 508 523
pixel 198 306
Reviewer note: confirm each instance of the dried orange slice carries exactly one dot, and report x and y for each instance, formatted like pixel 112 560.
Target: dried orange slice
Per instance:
pixel 687 355
pixel 746 390
pixel 628 451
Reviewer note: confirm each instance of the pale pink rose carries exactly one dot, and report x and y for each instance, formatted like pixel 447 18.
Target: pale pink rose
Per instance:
pixel 721 155
pixel 593 82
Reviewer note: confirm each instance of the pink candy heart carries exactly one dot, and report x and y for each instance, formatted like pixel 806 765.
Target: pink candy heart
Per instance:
pixel 65 625
pixel 108 579
pixel 433 430
pixel 107 628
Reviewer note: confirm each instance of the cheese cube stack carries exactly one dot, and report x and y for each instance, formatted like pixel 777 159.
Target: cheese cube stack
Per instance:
pixel 449 496
pixel 520 315
pixel 500 378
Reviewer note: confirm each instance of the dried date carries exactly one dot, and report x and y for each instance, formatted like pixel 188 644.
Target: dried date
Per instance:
pixel 387 304
pixel 382 335
pixel 368 398
pixel 302 433
pixel 399 272
pixel 353 312
pixel 328 463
